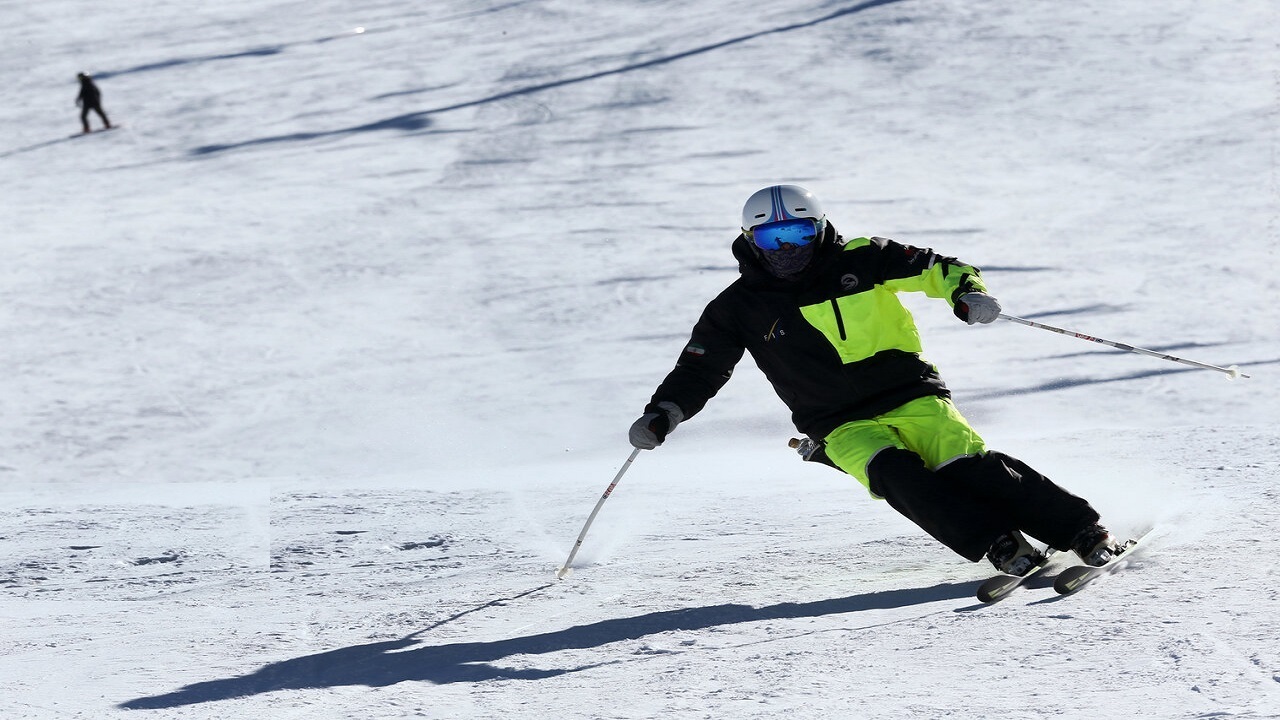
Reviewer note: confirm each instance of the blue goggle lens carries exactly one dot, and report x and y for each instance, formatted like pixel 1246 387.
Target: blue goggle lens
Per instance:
pixel 792 233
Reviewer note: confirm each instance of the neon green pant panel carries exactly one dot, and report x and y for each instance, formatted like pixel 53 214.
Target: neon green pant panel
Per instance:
pixel 931 427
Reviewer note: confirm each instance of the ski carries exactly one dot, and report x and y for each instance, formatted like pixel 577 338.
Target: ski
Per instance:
pixel 1077 576
pixel 999 587
pixel 95 132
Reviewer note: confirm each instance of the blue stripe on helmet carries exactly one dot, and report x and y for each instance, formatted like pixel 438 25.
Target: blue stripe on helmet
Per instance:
pixel 779 208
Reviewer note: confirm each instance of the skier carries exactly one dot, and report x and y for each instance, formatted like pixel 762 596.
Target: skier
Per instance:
pixel 821 318
pixel 90 98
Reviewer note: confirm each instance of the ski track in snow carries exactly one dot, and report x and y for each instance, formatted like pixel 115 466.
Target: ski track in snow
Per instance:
pixel 316 365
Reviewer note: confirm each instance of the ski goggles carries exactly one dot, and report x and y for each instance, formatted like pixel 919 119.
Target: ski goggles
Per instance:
pixel 790 233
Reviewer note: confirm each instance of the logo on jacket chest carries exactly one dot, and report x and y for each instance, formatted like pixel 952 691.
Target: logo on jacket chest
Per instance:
pixel 775 331
pixel 848 281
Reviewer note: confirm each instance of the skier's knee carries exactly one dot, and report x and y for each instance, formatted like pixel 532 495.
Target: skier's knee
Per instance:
pixel 894 466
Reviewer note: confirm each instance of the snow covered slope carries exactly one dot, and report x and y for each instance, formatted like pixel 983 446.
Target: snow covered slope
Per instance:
pixel 314 368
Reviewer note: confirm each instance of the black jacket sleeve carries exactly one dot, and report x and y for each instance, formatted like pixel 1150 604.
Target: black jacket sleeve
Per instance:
pixel 704 366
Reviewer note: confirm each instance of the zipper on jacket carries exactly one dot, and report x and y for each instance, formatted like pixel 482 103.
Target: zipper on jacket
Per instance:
pixel 839 318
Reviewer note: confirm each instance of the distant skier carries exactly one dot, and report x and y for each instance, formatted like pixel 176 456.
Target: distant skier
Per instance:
pixel 821 318
pixel 90 98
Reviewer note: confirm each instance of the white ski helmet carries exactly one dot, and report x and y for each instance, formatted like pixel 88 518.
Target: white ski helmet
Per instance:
pixel 781 202
pixel 784 225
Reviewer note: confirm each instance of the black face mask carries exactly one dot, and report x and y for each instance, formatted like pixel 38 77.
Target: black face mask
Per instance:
pixel 788 263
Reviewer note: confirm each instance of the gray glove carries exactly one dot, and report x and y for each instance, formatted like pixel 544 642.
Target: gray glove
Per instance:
pixel 977 307
pixel 806 447
pixel 812 450
pixel 652 428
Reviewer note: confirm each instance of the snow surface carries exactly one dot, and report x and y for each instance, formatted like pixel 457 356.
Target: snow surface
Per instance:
pixel 315 368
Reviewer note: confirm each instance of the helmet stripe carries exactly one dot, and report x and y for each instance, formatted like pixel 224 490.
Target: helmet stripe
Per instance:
pixel 778 203
pixel 779 208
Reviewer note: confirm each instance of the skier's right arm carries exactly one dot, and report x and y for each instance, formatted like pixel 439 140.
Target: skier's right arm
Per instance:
pixel 704 366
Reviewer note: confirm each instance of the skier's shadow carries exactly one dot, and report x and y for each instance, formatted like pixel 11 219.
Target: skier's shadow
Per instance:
pixel 37 146
pixel 386 663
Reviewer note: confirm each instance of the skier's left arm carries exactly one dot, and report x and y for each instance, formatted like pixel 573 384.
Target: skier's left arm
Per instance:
pixel 905 267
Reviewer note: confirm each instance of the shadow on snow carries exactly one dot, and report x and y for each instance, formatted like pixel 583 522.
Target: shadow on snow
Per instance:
pixel 1069 383
pixel 387 663
pixel 420 120
pixel 265 51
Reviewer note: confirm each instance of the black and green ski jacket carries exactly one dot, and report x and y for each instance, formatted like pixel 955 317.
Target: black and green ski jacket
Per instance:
pixel 835 343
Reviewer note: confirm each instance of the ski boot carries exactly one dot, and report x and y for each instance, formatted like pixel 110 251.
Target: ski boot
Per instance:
pixel 1013 555
pixel 1096 545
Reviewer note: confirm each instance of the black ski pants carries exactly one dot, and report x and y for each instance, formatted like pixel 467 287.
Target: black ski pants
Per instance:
pixel 95 107
pixel 968 503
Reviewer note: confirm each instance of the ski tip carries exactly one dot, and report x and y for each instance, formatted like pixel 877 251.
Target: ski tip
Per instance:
pixel 1074 578
pixel 562 573
pixel 986 596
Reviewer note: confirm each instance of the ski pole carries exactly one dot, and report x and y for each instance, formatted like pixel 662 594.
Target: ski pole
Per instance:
pixel 1232 372
pixel 564 570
